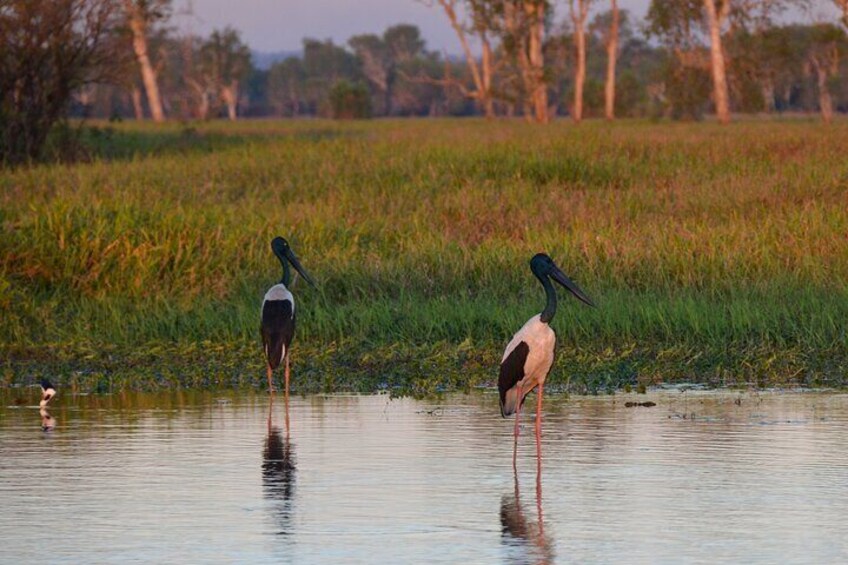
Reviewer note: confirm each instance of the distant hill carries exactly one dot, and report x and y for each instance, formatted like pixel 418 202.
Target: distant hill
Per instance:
pixel 264 59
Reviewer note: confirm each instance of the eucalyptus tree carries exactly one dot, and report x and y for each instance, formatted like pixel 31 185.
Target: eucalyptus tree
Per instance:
pixel 843 5
pixel 286 86
pixel 825 42
pixel 579 12
pixel 479 25
pixel 225 62
pixel 324 65
pixel 612 56
pixel 141 16
pixel 381 57
pixel 523 36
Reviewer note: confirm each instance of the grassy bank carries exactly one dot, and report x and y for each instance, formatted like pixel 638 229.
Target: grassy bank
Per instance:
pixel 715 254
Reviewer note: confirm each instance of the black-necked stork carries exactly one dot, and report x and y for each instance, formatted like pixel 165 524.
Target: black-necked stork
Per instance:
pixel 48 391
pixel 278 315
pixel 530 354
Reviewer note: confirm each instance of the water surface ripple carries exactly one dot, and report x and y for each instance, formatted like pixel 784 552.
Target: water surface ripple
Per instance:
pixel 702 477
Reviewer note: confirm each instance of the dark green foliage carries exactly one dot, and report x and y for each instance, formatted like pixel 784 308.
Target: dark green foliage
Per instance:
pixel 48 50
pixel 687 90
pixel 350 101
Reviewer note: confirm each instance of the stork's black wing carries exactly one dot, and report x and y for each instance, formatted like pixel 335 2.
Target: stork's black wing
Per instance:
pixel 512 370
pixel 277 329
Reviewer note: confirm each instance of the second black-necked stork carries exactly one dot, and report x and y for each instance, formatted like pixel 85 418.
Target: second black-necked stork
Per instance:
pixel 278 315
pixel 48 391
pixel 530 354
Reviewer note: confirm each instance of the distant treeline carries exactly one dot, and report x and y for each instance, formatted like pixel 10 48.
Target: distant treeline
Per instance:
pixel 127 58
pixel 662 69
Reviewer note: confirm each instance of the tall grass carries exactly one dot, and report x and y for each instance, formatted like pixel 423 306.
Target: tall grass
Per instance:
pixel 713 253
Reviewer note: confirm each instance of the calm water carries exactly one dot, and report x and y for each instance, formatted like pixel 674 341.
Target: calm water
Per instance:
pixel 700 477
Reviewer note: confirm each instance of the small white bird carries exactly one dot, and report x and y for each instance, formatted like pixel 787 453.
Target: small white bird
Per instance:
pixel 530 354
pixel 48 391
pixel 278 318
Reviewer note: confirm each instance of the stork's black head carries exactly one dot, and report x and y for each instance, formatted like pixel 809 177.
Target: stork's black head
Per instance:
pixel 280 246
pixel 284 253
pixel 543 266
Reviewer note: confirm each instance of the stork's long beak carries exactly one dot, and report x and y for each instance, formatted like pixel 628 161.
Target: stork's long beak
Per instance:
pixel 569 284
pixel 299 268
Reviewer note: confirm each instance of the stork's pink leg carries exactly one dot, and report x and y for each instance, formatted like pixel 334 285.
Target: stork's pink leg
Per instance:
pixel 270 381
pixel 287 374
pixel 539 429
pixel 515 433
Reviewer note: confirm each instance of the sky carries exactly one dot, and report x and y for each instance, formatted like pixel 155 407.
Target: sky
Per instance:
pixel 280 25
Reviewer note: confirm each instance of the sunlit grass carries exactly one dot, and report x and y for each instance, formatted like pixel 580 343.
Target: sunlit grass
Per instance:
pixel 713 253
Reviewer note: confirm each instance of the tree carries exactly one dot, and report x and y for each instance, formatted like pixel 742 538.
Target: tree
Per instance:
pixel 481 26
pixel 51 48
pixel 613 39
pixel 677 24
pixel 612 54
pixel 823 61
pixel 225 61
pixel 286 86
pixel 579 14
pixel 716 16
pixel 141 15
pixel 325 64
pixel 403 42
pixel 844 5
pixel 380 57
pixel 350 101
pixel 377 64
pixel 535 12
pixel 522 36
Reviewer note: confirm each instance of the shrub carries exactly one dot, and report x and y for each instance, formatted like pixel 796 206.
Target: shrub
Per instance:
pixel 350 101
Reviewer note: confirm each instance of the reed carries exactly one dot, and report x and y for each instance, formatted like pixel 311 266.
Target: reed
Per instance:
pixel 716 254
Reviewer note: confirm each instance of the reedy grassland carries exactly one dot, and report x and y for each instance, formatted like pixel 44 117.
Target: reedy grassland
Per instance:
pixel 716 255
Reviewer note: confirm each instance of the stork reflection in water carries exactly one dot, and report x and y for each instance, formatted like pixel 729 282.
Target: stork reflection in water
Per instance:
pixel 48 422
pixel 521 533
pixel 278 470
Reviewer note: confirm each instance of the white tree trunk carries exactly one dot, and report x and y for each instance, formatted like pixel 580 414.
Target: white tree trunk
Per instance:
pixel 230 95
pixel 767 88
pixel 486 99
pixel 579 73
pixel 536 17
pixel 203 106
pixel 578 18
pixel 825 99
pixel 825 63
pixel 720 92
pixel 136 101
pixel 138 25
pixel 612 55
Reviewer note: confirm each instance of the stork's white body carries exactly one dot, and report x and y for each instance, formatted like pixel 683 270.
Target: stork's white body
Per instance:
pixel 541 343
pixel 278 292
pixel 541 340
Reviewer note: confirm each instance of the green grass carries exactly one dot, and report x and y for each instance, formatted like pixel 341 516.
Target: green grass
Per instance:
pixel 715 254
